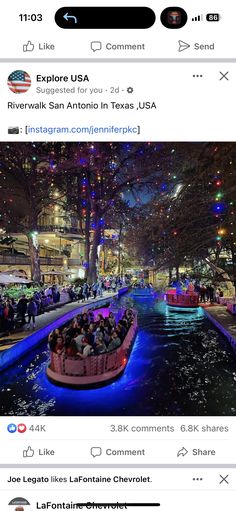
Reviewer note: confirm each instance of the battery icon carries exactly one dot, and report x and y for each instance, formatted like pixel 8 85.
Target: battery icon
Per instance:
pixel 213 17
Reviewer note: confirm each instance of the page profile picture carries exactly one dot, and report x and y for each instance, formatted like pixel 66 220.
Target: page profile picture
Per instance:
pixel 19 504
pixel 19 81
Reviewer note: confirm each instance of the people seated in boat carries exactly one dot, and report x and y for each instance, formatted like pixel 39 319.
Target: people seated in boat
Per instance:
pixel 128 316
pixel 115 342
pixel 99 346
pixel 84 319
pixel 98 318
pixel 111 322
pixel 79 338
pixel 86 349
pixel 121 330
pixel 109 326
pixel 70 348
pixel 52 338
pixel 74 328
pixel 82 339
pixel 60 345
pixel 101 330
pixel 101 324
pixel 90 314
pixel 90 334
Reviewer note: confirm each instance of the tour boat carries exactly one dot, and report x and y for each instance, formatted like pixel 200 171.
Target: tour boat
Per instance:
pixel 95 370
pixel 183 299
pixel 142 291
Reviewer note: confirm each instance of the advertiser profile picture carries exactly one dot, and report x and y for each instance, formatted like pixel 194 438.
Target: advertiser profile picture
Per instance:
pixel 18 504
pixel 19 81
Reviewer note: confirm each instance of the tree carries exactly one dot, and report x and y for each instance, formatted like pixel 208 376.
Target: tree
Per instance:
pixel 107 174
pixel 196 216
pixel 170 202
pixel 27 187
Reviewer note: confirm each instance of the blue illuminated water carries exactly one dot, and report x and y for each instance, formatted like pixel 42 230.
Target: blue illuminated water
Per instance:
pixel 180 365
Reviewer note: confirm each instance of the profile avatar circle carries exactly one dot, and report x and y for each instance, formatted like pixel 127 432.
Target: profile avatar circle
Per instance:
pixel 19 503
pixel 19 81
pixel 174 17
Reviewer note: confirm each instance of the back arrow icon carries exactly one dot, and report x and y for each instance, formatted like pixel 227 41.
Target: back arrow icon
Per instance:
pixel 67 17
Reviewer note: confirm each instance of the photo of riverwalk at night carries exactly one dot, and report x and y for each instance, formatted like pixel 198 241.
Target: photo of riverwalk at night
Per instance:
pixel 117 279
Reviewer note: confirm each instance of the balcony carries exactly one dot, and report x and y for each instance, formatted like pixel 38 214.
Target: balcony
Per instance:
pixel 60 230
pixel 74 262
pixel 23 260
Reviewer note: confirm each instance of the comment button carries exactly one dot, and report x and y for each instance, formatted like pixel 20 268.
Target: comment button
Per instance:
pixel 96 45
pixel 96 451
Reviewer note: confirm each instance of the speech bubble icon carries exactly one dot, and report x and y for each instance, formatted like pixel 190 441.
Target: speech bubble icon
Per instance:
pixel 96 45
pixel 96 451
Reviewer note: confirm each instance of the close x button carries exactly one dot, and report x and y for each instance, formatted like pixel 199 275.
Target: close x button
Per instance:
pixel 224 75
pixel 105 17
pixel 224 479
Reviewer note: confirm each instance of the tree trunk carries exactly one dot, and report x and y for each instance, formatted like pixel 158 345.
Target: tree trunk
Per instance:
pixel 88 224
pixel 119 248
pixel 103 260
pixel 170 276
pixel 92 270
pixel 234 267
pixel 177 273
pixel 87 243
pixel 34 256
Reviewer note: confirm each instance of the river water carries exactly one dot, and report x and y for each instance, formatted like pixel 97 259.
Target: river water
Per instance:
pixel 180 365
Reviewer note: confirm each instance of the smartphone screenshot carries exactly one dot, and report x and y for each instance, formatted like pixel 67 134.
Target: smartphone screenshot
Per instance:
pixel 117 256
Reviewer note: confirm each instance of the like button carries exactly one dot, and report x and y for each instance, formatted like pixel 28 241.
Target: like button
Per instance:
pixel 28 46
pixel 28 453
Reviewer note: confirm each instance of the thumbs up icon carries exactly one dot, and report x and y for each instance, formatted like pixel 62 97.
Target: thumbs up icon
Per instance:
pixel 28 453
pixel 28 46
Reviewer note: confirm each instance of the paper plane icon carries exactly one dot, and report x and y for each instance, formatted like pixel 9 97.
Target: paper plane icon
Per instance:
pixel 183 46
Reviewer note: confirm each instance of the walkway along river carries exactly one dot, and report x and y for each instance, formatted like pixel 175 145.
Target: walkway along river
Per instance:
pixel 180 365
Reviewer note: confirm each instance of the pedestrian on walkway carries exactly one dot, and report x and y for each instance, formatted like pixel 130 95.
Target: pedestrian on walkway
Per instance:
pixel 22 309
pixel 113 285
pixel 94 289
pixel 10 316
pixel 32 312
pixel 100 288
pixel 80 294
pixel 85 291
pixel 107 285
pixel 211 293
pixel 203 294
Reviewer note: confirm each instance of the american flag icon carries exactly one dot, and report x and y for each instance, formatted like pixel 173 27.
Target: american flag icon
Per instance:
pixel 19 81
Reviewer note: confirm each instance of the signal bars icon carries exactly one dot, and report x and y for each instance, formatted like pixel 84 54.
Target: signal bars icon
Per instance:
pixel 198 18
